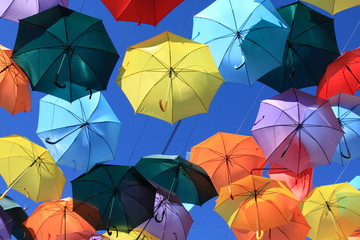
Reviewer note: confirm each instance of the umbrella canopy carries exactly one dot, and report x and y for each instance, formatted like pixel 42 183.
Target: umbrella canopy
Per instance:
pixel 15 10
pixel 169 77
pixel 228 157
pixel 333 6
pixel 355 235
pixel 133 235
pixel 29 169
pixel 347 110
pixel 332 211
pixel 256 203
pixel 6 225
pixel 342 75
pixel 53 218
pixel 189 181
pixel 149 12
pixel 310 48
pixel 355 182
pixel 79 134
pixel 246 38
pixel 65 53
pixel 14 85
pixel 123 197
pixel 297 130
pixel 83 235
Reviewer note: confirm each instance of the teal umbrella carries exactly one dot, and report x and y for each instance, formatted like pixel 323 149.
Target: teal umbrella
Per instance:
pixel 65 53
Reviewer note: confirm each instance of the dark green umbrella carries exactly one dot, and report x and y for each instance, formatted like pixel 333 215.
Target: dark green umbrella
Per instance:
pixel 65 53
pixel 123 197
pixel 311 46
pixel 189 181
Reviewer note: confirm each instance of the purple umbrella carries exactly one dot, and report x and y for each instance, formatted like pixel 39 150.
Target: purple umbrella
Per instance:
pixel 6 225
pixel 297 130
pixel 17 9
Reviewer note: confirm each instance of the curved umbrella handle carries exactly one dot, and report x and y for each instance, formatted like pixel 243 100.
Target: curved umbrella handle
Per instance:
pixel 161 219
pixel 258 237
pixel 237 67
pixel 89 89
pixel 47 140
pixel 163 107
pixel 57 83
pixel 348 155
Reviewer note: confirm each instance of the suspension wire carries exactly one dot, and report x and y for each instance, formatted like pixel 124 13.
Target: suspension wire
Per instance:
pixel 351 36
pixel 137 140
pixel 191 132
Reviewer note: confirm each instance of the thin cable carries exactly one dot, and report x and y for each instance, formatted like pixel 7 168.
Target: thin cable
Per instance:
pixel 82 6
pixel 342 172
pixel 191 132
pixel 137 140
pixel 351 36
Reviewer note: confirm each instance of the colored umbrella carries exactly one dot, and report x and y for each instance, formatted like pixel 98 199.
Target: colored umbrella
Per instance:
pixel 297 130
pixel 6 225
pixel 149 12
pixel 189 181
pixel 347 110
pixel 246 38
pixel 342 75
pixel 332 211
pixel 28 168
pixel 355 235
pixel 14 85
pixel 133 235
pixel 123 197
pixel 83 235
pixel 65 53
pixel 296 229
pixel 256 203
pixel 310 47
pixel 228 157
pixel 355 182
pixel 53 218
pixel 333 6
pixel 169 77
pixel 79 134
pixel 15 10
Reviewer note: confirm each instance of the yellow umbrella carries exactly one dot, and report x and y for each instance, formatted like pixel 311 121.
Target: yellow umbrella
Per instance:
pixel 133 235
pixel 332 211
pixel 29 169
pixel 169 77
pixel 334 6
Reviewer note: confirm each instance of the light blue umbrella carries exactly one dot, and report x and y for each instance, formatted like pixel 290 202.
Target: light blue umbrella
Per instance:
pixel 347 109
pixel 355 182
pixel 246 37
pixel 78 134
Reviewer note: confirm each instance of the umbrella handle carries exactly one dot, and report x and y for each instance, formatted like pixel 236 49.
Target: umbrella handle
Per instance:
pixel 162 217
pixel 90 90
pixel 56 82
pixel 237 67
pixel 163 107
pixel 258 237
pixel 347 150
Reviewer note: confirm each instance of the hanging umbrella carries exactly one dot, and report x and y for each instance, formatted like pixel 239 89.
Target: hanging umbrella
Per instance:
pixel 65 53
pixel 83 235
pixel 228 157
pixel 14 85
pixel 78 134
pixel 342 75
pixel 333 6
pixel 332 211
pixel 355 182
pixel 347 110
pixel 123 197
pixel 149 12
pixel 133 235
pixel 15 10
pixel 6 225
pixel 28 168
pixel 169 77
pixel 297 130
pixel 310 48
pixel 256 203
pixel 246 38
pixel 189 181
pixel 355 235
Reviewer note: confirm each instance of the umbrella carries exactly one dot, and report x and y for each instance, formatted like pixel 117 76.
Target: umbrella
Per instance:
pixel 332 211
pixel 228 157
pixel 333 6
pixel 310 47
pixel 342 75
pixel 133 235
pixel 296 229
pixel 78 134
pixel 83 235
pixel 15 10
pixel 355 182
pixel 149 12
pixel 297 130
pixel 169 77
pixel 6 225
pixel 53 218
pixel 256 203
pixel 347 110
pixel 123 197
pixel 355 235
pixel 29 169
pixel 246 38
pixel 189 181
pixel 14 85
pixel 65 53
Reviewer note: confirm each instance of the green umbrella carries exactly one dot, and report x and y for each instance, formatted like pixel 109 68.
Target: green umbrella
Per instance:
pixel 189 181
pixel 65 53
pixel 311 46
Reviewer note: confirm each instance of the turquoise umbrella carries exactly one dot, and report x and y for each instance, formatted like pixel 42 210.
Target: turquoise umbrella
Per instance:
pixel 78 134
pixel 355 182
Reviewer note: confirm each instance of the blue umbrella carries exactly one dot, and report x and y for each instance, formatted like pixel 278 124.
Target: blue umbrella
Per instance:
pixel 78 134
pixel 247 38
pixel 355 182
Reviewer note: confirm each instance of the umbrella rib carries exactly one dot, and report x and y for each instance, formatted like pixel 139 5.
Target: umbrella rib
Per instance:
pixel 152 56
pixel 221 37
pixel 165 71
pixel 187 54
pixel 212 20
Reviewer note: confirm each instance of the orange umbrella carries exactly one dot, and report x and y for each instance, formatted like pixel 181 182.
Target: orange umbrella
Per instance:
pixel 14 85
pixel 256 203
pixel 54 218
pixel 228 157
pixel 296 229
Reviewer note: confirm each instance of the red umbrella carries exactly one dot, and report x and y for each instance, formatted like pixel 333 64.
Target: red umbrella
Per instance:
pixel 140 11
pixel 343 75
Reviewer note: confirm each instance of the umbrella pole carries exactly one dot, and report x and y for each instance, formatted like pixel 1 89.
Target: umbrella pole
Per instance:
pixel 58 72
pixel 341 234
pixel 4 69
